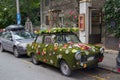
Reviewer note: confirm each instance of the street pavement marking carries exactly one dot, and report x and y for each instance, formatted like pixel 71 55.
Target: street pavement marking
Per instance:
pixel 27 62
pixel 97 77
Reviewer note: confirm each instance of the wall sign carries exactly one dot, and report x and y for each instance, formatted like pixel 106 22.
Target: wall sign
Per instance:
pixel 81 22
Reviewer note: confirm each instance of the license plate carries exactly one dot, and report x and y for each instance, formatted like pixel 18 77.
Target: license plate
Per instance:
pixel 90 58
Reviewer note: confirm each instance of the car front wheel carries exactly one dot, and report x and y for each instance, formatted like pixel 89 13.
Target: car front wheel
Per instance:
pixel 34 59
pixel 16 54
pixel 65 69
pixel 1 48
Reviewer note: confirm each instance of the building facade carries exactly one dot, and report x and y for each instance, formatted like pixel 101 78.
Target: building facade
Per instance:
pixel 89 17
pixel 55 11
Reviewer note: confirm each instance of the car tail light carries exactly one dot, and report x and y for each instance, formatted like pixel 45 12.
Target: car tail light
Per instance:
pixel 118 54
pixel 118 69
pixel 100 59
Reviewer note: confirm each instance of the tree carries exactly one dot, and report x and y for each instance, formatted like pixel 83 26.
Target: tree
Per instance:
pixel 112 17
pixel 7 8
pixel 31 9
pixel 28 8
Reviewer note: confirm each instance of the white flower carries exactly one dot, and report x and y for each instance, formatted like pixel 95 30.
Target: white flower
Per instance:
pixel 51 61
pixel 67 51
pixel 59 56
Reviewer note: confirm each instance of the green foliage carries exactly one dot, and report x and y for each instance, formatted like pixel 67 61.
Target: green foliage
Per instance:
pixel 112 14
pixel 28 8
pixel 7 10
pixel 31 9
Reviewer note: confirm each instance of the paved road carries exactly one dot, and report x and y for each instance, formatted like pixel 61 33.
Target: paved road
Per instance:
pixel 12 68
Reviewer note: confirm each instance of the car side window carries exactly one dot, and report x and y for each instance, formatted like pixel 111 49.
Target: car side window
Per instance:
pixel 39 39
pixel 60 39
pixel 48 39
pixel 4 35
pixel 7 35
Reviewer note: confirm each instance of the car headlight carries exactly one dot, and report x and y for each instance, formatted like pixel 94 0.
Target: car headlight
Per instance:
pixel 102 50
pixel 78 55
pixel 20 44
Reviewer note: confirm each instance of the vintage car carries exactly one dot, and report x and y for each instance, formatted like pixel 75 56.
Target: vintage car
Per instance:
pixel 61 47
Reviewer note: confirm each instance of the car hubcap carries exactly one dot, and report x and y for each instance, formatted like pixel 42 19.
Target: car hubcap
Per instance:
pixel 16 53
pixel 65 69
pixel 1 48
pixel 34 59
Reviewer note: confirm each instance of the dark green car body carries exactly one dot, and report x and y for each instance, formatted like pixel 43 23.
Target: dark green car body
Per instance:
pixel 64 45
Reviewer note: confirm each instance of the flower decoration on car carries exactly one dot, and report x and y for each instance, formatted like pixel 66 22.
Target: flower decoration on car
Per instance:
pixel 59 56
pixel 58 30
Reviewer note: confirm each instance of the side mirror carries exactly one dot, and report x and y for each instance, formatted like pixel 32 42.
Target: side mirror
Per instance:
pixel 10 39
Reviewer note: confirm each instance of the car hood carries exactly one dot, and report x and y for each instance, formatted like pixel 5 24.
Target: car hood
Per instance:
pixel 27 41
pixel 85 48
pixel 24 42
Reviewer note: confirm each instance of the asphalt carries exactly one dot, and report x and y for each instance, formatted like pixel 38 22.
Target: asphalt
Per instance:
pixel 109 61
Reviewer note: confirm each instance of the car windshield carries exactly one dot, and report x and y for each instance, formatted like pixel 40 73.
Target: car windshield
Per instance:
pixel 22 35
pixel 68 38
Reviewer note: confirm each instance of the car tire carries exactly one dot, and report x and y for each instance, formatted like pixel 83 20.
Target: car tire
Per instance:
pixel 16 54
pixel 34 60
pixel 65 69
pixel 1 48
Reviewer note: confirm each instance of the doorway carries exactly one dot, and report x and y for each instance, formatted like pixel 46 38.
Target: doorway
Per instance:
pixel 95 35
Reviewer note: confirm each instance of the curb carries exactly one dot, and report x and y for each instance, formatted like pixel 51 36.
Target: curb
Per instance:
pixel 109 69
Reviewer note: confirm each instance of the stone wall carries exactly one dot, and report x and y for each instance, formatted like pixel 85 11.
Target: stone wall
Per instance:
pixel 64 5
pixel 112 43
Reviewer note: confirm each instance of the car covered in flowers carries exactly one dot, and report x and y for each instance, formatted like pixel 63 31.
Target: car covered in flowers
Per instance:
pixel 61 47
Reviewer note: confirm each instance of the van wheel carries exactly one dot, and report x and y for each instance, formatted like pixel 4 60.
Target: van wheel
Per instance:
pixel 34 60
pixel 16 54
pixel 65 69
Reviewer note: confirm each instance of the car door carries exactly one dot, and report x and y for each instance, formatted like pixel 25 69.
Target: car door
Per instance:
pixel 10 41
pixel 7 41
pixel 39 45
pixel 4 40
pixel 50 49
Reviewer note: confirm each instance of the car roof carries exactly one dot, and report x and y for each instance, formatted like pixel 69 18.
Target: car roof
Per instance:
pixel 57 30
pixel 14 27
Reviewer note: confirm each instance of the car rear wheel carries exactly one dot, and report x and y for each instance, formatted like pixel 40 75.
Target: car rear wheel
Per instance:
pixel 65 69
pixel 16 54
pixel 1 48
pixel 34 60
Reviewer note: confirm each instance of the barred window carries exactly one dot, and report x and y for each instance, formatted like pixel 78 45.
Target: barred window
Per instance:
pixel 46 2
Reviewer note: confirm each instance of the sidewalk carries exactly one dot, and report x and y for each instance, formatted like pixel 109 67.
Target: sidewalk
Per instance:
pixel 109 62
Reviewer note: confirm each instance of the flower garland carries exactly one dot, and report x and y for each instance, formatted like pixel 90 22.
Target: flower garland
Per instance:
pixel 56 30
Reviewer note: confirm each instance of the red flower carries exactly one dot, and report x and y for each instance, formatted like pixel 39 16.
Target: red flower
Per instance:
pixel 75 17
pixel 71 12
pixel 38 52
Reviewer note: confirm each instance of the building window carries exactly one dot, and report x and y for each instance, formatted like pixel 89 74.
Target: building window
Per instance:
pixel 47 20
pixel 46 2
